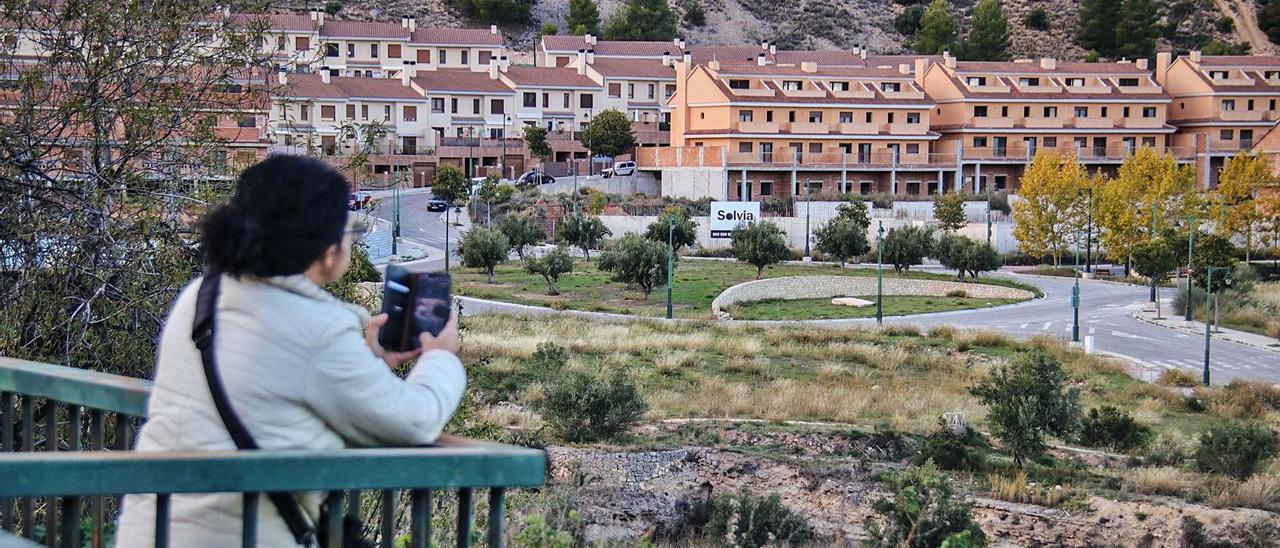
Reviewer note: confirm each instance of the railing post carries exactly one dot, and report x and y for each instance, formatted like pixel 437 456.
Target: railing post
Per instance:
pixel 162 520
pixel 70 521
pixel 420 519
pixel 893 172
pixel 496 512
pixel 334 524
pixel 464 517
pixel 387 519
pixel 6 445
pixel 28 432
pixel 249 520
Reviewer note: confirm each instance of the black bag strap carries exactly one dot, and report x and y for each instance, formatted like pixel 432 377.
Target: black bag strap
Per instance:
pixel 202 334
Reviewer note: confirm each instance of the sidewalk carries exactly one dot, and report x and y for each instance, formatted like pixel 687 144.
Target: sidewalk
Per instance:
pixel 409 252
pixel 1173 320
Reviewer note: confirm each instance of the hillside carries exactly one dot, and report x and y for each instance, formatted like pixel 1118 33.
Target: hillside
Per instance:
pixel 843 23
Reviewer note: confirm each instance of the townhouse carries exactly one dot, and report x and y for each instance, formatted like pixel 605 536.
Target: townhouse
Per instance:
pixel 471 120
pixel 1220 104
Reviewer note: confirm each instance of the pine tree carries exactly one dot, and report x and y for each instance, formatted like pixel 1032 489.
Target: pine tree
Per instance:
pixel 584 16
pixel 1098 19
pixel 937 30
pixel 642 20
pixel 1137 29
pixel 989 38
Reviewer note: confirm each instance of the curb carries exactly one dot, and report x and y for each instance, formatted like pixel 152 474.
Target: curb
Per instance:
pixel 1224 335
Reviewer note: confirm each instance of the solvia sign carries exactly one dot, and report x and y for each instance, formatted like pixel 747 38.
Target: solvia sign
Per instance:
pixel 725 216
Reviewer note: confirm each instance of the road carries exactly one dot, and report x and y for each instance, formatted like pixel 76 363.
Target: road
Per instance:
pixel 419 226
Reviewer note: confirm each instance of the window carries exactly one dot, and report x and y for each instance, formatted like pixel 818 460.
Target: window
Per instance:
pixel 410 113
pixel 1271 105
pixel 386 112
pixel 1128 82
pixel 739 84
pixel 980 111
pixel 1050 112
pixel 913 148
pixel 768 115
pixel 437 104
pixel 1125 112
pixel 815 148
pixel 1104 112
pixel 1249 105
pixel 651 88
pixel 351 50
pixel 1050 142
pixel 484 57
pixel 393 51
pixel 815 116
pixel 302 43
pixel 631 91
pixel 791 85
pixel 1081 142
pixel 846 117
pixel 466 57
pixel 791 116
pixel 1028 82
pixel 979 142
pixel 744 147
pixel 1082 112
pixel 585 100
pixel 975 80
pixel 890 86
pixel 351 111
pixel 1004 111
pixel 1218 75
pixel 839 86
pixel 1272 74
pixel 247 121
pixel 373 51
pixel 1074 82
pixel 565 100
pixel 890 117
pixel 1026 112
pixel 668 90
pixel 1228 104
pixel 453 105
pixel 913 117
pixel 766 188
pixel 1246 137
pixel 364 112
pixel 615 90
pixel 530 99
pixel 1227 135
pixel 868 117
pixel 330 50
pixel 280 43
pixel 476 107
pixel 546 100
pixel 1148 112
pixel 744 116
pixel 1149 142
pixel 424 56
pixel 497 106
pixel 327 112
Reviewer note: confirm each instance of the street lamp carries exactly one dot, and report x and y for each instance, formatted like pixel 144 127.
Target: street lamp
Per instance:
pixel 471 153
pixel 458 210
pixel 503 164
pixel 1155 209
pixel 808 202
pixel 1075 296
pixel 671 256
pixel 1191 240
pixel 1208 302
pixel 988 213
pixel 880 274
pixel 395 216
pixel 1088 242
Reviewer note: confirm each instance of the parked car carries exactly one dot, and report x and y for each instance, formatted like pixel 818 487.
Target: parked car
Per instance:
pixel 535 178
pixel 358 200
pixel 437 204
pixel 476 183
pixel 620 169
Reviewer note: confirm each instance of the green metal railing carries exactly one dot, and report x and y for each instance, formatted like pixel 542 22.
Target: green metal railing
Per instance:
pixel 55 463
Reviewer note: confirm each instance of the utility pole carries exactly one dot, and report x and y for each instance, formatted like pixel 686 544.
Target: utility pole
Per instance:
pixel 808 203
pixel 1088 242
pixel 880 274
pixel 1208 300
pixel 395 216
pixel 988 213
pixel 671 258
pixel 1075 296
pixel 1191 240
pixel 1155 208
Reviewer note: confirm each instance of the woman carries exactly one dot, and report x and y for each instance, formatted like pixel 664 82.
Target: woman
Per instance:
pixel 301 369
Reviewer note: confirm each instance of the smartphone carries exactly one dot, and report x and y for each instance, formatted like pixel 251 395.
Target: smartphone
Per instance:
pixel 414 304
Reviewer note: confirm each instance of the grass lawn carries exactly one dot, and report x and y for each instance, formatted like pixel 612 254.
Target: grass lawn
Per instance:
pixel 697 283
pixel 822 309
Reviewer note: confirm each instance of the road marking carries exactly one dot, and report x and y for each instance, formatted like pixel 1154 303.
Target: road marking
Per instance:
pixel 1091 330
pixel 1046 326
pixel 1023 326
pixel 1130 336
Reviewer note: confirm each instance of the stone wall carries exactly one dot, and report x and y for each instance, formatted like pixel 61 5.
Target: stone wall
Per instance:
pixel 822 287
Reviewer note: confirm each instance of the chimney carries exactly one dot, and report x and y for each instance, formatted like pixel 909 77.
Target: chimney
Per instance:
pixel 504 63
pixel 760 60
pixel 904 69
pixel 404 22
pixel 773 48
pixel 666 58
pixel 586 38
pixel 405 76
pixel 764 45
pixel 582 61
pixel 1195 56
pixel 1048 63
pixel 325 76
pixel 808 66
pixel 413 23
pixel 318 17
pixel 675 41
pixel 856 49
pixel 1163 60
pixel 493 68
pixel 493 29
pixel 687 57
pixel 1142 64
pixel 948 60
pixel 226 11
pixel 922 65
pixel 680 44
pixel 714 65
pixel 862 52
pixel 283 77
pixel 591 56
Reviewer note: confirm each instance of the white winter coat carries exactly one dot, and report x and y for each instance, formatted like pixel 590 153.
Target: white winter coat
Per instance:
pixel 299 374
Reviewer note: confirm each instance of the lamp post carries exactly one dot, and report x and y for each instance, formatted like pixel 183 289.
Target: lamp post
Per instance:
pixel 1088 242
pixel 1208 302
pixel 671 257
pixel 1075 297
pixel 1155 209
pixel 1191 240
pixel 808 203
pixel 880 274
pixel 502 166
pixel 471 153
pixel 446 238
pixel 395 216
pixel 988 213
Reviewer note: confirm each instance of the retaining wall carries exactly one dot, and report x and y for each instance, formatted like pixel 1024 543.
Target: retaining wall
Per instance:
pixel 824 287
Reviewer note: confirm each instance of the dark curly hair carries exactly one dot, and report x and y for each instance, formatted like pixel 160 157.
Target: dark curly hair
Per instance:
pixel 286 211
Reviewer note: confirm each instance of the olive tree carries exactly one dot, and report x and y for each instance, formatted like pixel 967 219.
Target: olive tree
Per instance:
pixel 521 231
pixel 966 255
pixel 637 261
pixel 759 244
pixel 842 238
pixel 683 231
pixel 1027 400
pixel 551 266
pixel 583 232
pixel 484 248
pixel 905 247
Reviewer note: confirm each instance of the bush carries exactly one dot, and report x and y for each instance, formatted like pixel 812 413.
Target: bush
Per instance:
pixel 1168 450
pixel 759 244
pixel 757 521
pixel 1113 429
pixel 551 266
pixel 582 407
pixel 906 246
pixel 1180 378
pixel 1037 19
pixel 1000 202
pixel 636 261
pixel 949 451
pixel 1242 399
pixel 1235 449
pixel 1029 399
pixel 958 293
pixel 484 248
pixel 924 512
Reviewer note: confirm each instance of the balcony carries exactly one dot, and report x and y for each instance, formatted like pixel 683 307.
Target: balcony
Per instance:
pixel 904 94
pixel 859 128
pixel 860 91
pixel 1091 122
pixel 809 128
pixel 804 92
pixel 1142 123
pixel 1037 122
pixel 986 122
pixel 752 92
pixel 1240 115
pixel 84 463
pixel 758 127
pixel 1093 86
pixel 906 128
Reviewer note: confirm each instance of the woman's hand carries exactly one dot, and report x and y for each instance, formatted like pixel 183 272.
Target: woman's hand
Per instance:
pixel 392 358
pixel 448 338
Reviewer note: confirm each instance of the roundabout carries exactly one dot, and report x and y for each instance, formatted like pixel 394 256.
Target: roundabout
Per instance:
pixel 810 297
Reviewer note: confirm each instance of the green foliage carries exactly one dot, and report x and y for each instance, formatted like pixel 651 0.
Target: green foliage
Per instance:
pixel 1037 19
pixel 948 209
pixel 584 17
pixel 685 233
pixel 749 520
pixel 548 29
pixel 908 22
pixel 451 184
pixel 948 451
pixel 332 7
pixel 937 32
pixel 484 248
pixel 521 231
pixel 537 533
pixel 693 14
pixel 642 20
pixel 1137 29
pixel 551 266
pixel 924 512
pixel 1220 47
pixel 842 238
pixel 1154 259
pixel 1236 449
pixel 855 210
pixel 583 232
pixel 1212 250
pixel 361 270
pixel 535 137
pixel 1269 20
pixel 1112 428
pixel 609 133
pixel 1097 32
pixel 759 244
pixel 583 407
pixel 1225 24
pixel 988 40
pixel 502 11
pixel 1027 400
pixel 637 261
pixel 966 255
pixel 906 246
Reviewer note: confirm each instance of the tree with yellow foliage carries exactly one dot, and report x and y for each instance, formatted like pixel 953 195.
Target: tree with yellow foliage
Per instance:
pixel 1239 182
pixel 1050 214
pixel 1149 185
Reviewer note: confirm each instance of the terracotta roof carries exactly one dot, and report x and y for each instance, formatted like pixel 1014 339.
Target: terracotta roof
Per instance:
pixel 895 60
pixel 609 48
pixel 822 57
pixel 1033 67
pixel 1240 60
pixel 822 71
pixel 633 68
pixel 311 86
pixel 455 37
pixel 364 29
pixel 549 77
pixel 276 21
pixel 826 98
pixel 1113 92
pixel 460 80
pixel 735 55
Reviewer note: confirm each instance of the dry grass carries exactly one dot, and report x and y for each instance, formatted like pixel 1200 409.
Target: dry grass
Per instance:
pixel 1017 489
pixel 1180 378
pixel 1241 399
pixel 1160 480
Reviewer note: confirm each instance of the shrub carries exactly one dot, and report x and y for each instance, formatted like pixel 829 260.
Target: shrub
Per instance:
pixel 583 232
pixel 1000 202
pixel 1168 450
pixel 1037 19
pixel 582 407
pixel 757 521
pixel 923 512
pixel 1243 399
pixel 958 293
pixel 906 246
pixel 1029 399
pixel 759 244
pixel 551 266
pixel 633 260
pixel 1180 378
pixel 1114 429
pixel 484 248
pixel 1160 480
pixel 1017 489
pixel 954 452
pixel 1235 449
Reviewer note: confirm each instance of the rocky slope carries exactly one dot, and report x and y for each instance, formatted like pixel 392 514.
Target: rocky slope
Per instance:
pixel 843 23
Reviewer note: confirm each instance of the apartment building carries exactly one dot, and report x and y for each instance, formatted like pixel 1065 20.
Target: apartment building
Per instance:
pixel 559 51
pixel 472 119
pixel 1220 104
pixel 782 130
pixel 994 116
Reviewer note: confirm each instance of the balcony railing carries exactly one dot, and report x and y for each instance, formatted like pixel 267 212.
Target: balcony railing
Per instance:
pixel 880 159
pixel 71 464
